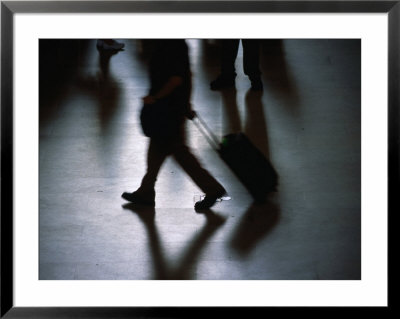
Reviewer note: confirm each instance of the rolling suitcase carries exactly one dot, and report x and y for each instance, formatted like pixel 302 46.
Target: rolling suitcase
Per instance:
pixel 248 163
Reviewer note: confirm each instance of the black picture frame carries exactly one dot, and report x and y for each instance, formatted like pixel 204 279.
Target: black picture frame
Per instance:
pixel 9 8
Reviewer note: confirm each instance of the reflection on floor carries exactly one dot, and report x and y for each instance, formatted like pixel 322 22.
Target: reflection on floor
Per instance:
pixel 306 120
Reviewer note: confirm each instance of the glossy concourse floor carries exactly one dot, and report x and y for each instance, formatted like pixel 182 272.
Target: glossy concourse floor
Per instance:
pixel 307 120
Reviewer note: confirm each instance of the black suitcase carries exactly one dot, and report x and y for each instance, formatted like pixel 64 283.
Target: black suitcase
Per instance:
pixel 248 163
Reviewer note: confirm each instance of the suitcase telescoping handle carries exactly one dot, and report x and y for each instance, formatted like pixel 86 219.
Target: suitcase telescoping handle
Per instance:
pixel 206 131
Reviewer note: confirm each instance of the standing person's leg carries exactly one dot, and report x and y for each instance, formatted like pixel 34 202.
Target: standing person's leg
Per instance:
pixel 156 155
pixel 229 51
pixel 251 62
pixel 229 54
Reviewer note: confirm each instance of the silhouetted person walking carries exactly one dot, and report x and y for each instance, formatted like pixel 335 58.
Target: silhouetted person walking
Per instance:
pixel 170 81
pixel 251 61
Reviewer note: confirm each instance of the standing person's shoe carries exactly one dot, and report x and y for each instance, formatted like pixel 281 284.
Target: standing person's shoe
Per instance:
pixel 222 82
pixel 209 200
pixel 141 198
pixel 109 45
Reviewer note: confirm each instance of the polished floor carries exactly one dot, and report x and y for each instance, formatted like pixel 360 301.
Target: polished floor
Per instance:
pixel 307 121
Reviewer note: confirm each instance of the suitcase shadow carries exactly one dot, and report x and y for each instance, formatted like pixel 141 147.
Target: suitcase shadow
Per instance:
pixel 184 268
pixel 255 225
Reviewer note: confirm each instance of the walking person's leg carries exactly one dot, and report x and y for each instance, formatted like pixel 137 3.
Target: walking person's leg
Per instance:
pixel 156 155
pixel 203 179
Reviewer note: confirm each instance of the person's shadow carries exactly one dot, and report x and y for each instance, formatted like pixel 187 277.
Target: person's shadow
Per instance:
pixel 104 88
pixel 259 219
pixel 255 126
pixel 183 269
pixel 277 75
pixel 230 111
pixel 109 94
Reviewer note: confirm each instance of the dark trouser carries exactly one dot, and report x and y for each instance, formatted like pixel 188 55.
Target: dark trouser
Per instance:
pixel 158 152
pixel 251 57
